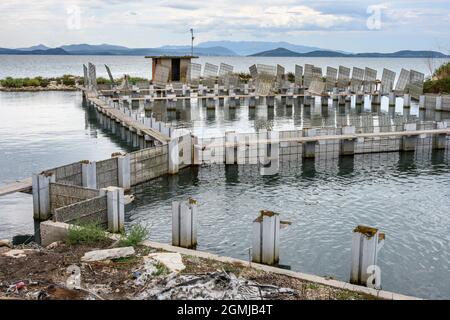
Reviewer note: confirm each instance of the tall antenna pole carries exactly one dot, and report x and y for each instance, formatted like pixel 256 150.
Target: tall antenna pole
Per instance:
pixel 192 42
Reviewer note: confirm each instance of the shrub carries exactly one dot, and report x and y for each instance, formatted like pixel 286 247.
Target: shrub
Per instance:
pixel 443 72
pixel 437 86
pixel 86 233
pixel 135 236
pixel 68 80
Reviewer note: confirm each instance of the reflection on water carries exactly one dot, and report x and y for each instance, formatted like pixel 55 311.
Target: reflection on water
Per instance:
pixel 215 122
pixel 41 131
pixel 404 194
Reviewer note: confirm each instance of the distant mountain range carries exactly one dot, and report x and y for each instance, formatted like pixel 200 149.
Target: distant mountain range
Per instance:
pixel 283 52
pixel 213 48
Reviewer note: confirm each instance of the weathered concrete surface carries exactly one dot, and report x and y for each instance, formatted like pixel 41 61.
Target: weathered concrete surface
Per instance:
pixel 173 261
pixel 53 232
pixel 302 276
pixel 109 254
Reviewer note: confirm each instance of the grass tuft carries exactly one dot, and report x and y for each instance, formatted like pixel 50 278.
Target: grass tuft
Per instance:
pixel 136 235
pixel 86 233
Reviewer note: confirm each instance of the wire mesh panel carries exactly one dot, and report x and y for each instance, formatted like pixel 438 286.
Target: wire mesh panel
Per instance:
pixel 403 81
pixel 194 73
pixel 161 75
pixel 370 78
pixel 92 76
pixel 225 69
pixel 265 83
pixel 317 73
pixel 253 71
pixel 264 68
pixel 86 77
pixel 309 73
pixel 210 70
pixel 357 79
pixel 210 74
pixel 111 78
pixel 317 87
pixel 387 81
pixel 415 86
pixel 331 78
pixel 343 78
pixel 298 75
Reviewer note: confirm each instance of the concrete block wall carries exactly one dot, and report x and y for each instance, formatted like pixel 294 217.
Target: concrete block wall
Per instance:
pixel 91 210
pixel 378 144
pixel 62 195
pixel 185 150
pixel 291 151
pixel 107 173
pixel 68 174
pixel 148 164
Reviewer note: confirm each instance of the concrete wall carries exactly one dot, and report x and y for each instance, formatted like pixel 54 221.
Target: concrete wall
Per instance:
pixel 185 150
pixel 148 164
pixel 107 173
pixel 62 195
pixel 94 209
pixel 68 174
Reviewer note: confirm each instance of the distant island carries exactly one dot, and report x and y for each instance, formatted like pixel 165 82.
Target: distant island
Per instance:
pixel 215 48
pixel 283 52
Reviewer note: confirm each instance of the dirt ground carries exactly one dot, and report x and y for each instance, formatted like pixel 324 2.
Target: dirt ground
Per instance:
pixel 42 275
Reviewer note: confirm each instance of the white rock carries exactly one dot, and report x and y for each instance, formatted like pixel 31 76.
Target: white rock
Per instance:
pixel 53 245
pixel 173 261
pixel 16 254
pixel 109 254
pixel 5 243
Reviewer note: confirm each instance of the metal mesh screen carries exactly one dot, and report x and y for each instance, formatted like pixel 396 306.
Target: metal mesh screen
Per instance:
pixel 331 78
pixel 343 77
pixel 298 75
pixel 402 81
pixel 370 77
pixel 387 81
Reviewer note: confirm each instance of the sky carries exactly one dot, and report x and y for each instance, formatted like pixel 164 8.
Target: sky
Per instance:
pixel 355 26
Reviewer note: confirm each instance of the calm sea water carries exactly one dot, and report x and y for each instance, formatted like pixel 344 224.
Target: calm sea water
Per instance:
pixel 405 195
pixel 48 66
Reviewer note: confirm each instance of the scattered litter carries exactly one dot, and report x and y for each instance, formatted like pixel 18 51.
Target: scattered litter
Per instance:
pixel 173 261
pixel 109 254
pixel 212 286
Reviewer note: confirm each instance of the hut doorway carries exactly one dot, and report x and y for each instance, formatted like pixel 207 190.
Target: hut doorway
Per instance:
pixel 176 68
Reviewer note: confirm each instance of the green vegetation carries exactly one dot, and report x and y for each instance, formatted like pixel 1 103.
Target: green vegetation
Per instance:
pixel 440 81
pixel 86 233
pixel 244 77
pixel 134 236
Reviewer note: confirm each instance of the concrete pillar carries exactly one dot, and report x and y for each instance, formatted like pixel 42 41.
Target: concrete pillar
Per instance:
pixel 376 99
pixel 41 195
pixel 341 100
pixel 309 148
pixel 406 101
pixel 266 238
pixel 422 102
pixel 174 156
pixel 270 101
pixel 210 103
pixel 184 224
pixel 347 146
pixel 324 101
pixel 252 102
pixel 307 100
pixel 366 243
pixel 392 98
pixel 124 170
pixel 359 99
pixel 409 142
pixel 438 103
pixel 230 150
pixel 116 208
pixel 440 140
pixel 89 174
